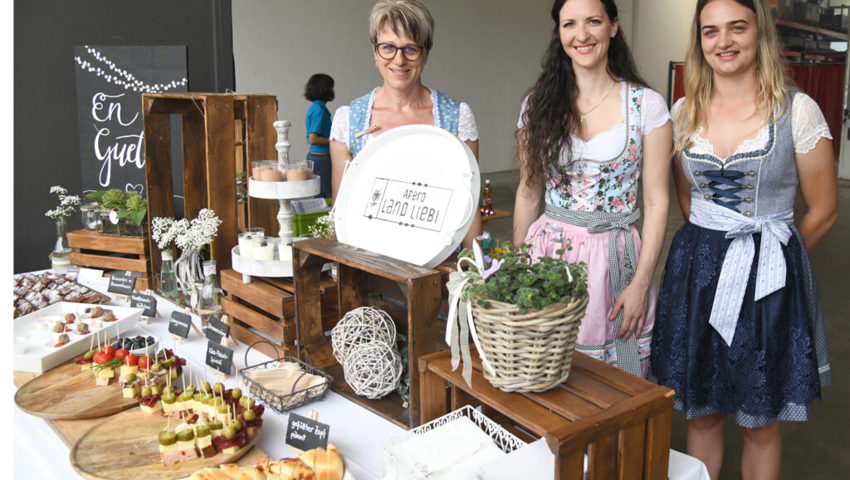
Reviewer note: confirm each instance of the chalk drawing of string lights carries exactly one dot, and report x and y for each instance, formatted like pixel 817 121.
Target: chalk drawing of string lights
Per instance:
pixel 123 78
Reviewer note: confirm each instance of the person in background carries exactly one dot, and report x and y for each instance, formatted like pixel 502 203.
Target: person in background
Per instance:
pixel 739 326
pixel 587 131
pixel 402 34
pixel 320 91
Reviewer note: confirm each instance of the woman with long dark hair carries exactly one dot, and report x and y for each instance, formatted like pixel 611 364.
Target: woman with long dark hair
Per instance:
pixel 739 326
pixel 588 129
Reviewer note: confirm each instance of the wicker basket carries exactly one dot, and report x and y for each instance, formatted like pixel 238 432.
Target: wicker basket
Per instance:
pixel 529 352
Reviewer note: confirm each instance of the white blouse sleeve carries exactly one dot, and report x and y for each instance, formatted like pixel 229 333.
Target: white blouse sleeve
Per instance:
pixel 808 124
pixel 339 126
pixel 674 114
pixel 519 123
pixel 653 112
pixel 467 130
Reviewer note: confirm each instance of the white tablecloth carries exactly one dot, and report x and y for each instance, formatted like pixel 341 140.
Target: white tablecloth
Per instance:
pixel 357 432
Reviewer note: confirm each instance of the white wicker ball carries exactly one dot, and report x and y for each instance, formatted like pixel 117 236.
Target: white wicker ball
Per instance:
pixel 361 325
pixel 372 369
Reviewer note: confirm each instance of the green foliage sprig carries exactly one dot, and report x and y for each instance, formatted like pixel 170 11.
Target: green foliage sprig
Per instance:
pixel 529 285
pixel 128 204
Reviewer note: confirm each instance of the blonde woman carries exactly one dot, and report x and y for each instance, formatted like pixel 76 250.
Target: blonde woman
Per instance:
pixel 739 327
pixel 402 34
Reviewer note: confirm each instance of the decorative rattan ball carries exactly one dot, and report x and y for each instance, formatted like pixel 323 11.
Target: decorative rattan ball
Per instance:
pixel 361 325
pixel 372 369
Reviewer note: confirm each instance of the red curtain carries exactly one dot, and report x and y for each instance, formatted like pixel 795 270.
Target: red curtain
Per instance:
pixel 824 83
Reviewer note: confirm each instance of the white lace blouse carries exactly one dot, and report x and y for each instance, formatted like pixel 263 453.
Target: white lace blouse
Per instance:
pixel 467 130
pixel 808 126
pixel 609 144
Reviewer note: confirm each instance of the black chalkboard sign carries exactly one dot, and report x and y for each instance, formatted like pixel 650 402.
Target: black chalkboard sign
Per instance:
pixel 306 434
pixel 179 324
pixel 219 358
pixel 216 329
pixel 121 284
pixel 146 302
pixel 110 83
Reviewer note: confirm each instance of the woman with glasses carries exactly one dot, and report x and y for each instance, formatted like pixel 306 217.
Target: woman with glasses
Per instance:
pixel 402 34
pixel 587 131
pixel 739 327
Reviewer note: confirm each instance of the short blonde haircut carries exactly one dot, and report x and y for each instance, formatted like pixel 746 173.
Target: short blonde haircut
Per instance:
pixel 410 15
pixel 772 80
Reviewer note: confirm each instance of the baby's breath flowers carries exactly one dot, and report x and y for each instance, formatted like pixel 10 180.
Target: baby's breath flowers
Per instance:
pixel 184 233
pixel 67 203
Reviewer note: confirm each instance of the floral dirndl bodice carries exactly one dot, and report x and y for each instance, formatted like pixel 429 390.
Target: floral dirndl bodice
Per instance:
pixel 608 185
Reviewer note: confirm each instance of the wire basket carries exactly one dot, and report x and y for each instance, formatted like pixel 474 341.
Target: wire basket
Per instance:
pixel 299 395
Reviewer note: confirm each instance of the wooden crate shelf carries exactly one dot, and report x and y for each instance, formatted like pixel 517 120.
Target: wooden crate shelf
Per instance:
pixel 267 305
pixel 221 134
pixel 112 252
pixel 620 421
pixel 410 294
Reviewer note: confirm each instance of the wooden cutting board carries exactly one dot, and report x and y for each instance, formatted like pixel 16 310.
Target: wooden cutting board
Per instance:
pixel 65 393
pixel 125 447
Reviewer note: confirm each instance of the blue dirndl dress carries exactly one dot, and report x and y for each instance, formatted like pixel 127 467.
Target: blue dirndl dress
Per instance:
pixel 776 362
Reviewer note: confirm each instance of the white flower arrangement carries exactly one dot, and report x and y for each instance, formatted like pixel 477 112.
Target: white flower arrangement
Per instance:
pixel 185 234
pixel 67 203
pixel 324 227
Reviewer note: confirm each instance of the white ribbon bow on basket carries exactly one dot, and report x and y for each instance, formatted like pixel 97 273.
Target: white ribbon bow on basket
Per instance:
pixel 460 323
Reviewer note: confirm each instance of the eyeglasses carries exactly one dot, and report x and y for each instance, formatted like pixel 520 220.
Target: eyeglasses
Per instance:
pixel 387 51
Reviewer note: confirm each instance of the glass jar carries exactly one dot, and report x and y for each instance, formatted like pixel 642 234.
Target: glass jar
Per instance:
pixel 209 302
pixel 90 214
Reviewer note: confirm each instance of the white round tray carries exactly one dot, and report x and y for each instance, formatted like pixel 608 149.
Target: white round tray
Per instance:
pixel 260 268
pixel 284 190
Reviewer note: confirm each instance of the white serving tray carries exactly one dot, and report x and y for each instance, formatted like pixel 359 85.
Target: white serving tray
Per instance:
pixel 34 338
pixel 276 267
pixel 410 194
pixel 284 190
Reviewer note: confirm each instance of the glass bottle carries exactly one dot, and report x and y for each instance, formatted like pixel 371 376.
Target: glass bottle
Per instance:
pixel 209 302
pixel 487 198
pixel 167 277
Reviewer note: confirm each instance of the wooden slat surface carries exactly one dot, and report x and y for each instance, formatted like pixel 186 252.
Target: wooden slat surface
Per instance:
pixel 221 175
pixel 160 193
pixel 248 337
pixel 623 422
pixel 257 293
pixel 67 393
pixel 91 240
pixel 194 163
pixel 125 447
pixel 281 332
pixel 370 262
pixel 104 261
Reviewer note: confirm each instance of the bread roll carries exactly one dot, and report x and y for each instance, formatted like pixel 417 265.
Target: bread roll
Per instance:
pixel 326 464
pixel 291 469
pixel 209 474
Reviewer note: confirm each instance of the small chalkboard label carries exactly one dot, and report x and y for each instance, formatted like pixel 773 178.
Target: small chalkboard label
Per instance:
pixel 121 284
pixel 216 329
pixel 306 434
pixel 146 302
pixel 219 358
pixel 179 324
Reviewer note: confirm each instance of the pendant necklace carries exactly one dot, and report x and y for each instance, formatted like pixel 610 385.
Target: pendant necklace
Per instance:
pixel 581 115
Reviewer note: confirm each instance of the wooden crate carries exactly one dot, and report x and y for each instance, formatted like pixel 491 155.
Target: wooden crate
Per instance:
pixel 620 421
pixel 112 252
pixel 409 293
pixel 222 134
pixel 268 305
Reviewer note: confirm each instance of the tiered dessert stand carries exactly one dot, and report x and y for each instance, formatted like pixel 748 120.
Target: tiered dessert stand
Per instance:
pixel 284 192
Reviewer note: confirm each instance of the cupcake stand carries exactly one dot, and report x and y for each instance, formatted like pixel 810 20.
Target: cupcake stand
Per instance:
pixel 284 192
pixel 260 293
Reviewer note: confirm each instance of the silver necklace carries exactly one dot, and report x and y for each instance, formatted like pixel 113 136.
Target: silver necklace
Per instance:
pixel 581 115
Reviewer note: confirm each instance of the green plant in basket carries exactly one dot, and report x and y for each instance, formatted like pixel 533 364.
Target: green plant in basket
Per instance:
pixel 521 312
pixel 512 277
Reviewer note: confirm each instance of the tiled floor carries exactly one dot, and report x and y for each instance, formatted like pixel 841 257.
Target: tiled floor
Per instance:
pixel 813 450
